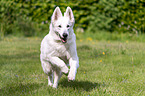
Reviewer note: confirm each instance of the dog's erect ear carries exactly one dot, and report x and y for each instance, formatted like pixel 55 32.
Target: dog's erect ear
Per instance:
pixel 56 14
pixel 69 14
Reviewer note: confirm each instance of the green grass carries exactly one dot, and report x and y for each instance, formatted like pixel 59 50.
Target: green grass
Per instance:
pixel 114 36
pixel 106 68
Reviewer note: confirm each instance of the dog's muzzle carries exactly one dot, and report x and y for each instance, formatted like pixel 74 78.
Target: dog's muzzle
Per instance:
pixel 63 38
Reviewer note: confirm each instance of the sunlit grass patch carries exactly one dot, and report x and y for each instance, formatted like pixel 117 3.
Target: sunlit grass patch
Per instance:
pixel 106 68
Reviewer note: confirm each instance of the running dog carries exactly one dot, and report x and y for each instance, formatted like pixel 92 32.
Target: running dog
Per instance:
pixel 58 48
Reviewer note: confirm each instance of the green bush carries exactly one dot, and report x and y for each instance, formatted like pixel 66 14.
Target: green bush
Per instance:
pixel 105 15
pixel 133 17
pixel 23 16
pixel 5 17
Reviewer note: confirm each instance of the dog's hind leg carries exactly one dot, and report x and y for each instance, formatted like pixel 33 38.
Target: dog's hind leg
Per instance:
pixel 50 79
pixel 57 76
pixel 47 68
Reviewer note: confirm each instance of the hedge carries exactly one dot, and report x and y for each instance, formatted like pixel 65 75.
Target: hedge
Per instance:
pixel 90 15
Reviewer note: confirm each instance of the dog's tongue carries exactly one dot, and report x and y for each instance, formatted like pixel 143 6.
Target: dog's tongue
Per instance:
pixel 64 40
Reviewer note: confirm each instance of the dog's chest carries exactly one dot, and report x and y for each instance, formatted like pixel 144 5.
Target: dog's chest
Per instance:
pixel 61 50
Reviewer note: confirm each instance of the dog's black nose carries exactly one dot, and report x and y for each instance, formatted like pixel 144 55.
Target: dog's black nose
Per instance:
pixel 65 35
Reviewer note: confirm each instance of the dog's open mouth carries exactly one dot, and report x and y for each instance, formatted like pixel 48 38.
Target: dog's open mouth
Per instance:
pixel 64 40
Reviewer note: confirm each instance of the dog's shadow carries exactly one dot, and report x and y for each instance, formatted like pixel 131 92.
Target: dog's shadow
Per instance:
pixel 84 85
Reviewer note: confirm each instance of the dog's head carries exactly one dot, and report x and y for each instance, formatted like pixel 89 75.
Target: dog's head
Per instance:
pixel 61 25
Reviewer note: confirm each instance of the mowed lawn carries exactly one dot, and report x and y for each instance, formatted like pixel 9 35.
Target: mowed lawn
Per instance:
pixel 106 68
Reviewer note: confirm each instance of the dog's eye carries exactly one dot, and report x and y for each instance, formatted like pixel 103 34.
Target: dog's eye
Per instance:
pixel 67 26
pixel 59 26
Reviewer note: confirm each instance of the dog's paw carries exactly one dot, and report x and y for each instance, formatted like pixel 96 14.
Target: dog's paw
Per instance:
pixel 55 86
pixel 72 74
pixel 65 70
pixel 66 74
pixel 71 77
pixel 50 84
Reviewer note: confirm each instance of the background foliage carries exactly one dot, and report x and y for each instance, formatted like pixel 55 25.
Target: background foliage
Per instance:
pixel 32 17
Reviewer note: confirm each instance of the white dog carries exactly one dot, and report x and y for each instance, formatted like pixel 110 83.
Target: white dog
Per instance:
pixel 58 48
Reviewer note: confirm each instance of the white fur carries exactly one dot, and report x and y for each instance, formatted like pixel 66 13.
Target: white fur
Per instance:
pixel 55 52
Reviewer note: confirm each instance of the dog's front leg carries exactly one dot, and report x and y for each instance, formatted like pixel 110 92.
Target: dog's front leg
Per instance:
pixel 74 64
pixel 55 61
